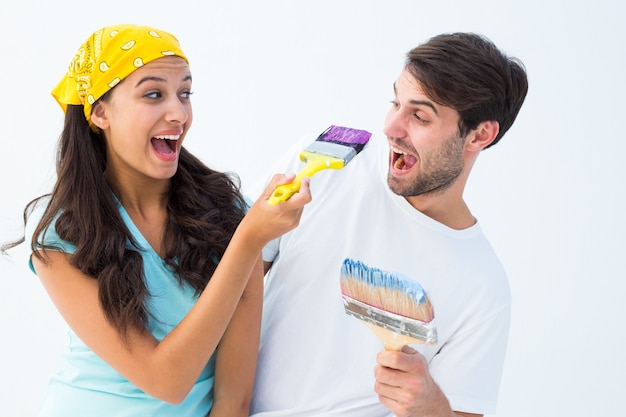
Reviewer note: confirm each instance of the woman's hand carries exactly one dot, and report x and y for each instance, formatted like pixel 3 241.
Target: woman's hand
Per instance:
pixel 265 222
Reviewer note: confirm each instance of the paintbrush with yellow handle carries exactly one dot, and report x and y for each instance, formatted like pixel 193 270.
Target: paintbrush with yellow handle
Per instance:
pixel 333 149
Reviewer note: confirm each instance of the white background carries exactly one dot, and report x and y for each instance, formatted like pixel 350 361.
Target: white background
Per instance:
pixel 550 196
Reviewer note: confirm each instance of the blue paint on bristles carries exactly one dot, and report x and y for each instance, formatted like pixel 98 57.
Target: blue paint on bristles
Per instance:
pixel 388 291
pixel 378 278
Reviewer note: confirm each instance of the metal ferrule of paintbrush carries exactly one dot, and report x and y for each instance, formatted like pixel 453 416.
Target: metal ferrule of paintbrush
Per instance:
pixel 422 331
pixel 330 150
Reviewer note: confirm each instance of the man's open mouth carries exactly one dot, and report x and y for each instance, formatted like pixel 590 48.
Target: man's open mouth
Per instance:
pixel 402 161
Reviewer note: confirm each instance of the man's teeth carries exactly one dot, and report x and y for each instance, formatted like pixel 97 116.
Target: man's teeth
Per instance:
pixel 399 164
pixel 168 137
pixel 399 159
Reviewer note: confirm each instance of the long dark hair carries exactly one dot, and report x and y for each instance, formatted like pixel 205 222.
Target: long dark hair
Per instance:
pixel 469 73
pixel 204 209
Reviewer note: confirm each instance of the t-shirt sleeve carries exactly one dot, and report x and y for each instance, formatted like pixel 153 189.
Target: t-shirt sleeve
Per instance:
pixel 469 365
pixel 270 251
pixel 48 237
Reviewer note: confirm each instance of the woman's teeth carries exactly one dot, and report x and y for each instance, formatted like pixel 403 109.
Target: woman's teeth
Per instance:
pixel 168 137
pixel 165 144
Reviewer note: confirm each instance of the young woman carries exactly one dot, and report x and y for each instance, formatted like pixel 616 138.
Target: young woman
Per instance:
pixel 148 254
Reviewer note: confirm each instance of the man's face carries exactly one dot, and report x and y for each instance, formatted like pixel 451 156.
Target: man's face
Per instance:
pixel 426 150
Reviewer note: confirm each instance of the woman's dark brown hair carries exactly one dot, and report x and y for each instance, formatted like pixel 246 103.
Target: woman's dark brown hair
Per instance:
pixel 468 73
pixel 204 209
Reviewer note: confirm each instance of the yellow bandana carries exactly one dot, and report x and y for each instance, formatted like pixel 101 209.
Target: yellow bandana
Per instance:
pixel 107 57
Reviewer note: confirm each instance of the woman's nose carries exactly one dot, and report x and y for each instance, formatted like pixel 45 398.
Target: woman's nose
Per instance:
pixel 177 111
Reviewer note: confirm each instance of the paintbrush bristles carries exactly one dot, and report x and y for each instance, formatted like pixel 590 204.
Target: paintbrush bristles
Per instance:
pixel 391 300
pixel 386 291
pixel 355 138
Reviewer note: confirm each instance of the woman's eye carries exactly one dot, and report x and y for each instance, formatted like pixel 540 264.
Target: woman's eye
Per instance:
pixel 186 94
pixel 153 94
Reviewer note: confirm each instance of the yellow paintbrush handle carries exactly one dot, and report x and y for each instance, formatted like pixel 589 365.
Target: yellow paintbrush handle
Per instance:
pixel 314 164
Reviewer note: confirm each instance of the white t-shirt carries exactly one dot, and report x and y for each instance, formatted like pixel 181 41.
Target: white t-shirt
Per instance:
pixel 315 360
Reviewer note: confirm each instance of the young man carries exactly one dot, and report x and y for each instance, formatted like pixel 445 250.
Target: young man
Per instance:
pixel 399 207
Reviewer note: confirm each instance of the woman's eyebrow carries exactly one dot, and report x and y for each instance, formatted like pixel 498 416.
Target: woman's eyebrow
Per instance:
pixel 158 79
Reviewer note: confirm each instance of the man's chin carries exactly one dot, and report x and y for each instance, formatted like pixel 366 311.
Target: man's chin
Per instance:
pixel 395 185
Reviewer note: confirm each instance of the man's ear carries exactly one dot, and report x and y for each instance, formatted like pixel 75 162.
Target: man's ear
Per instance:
pixel 98 116
pixel 484 134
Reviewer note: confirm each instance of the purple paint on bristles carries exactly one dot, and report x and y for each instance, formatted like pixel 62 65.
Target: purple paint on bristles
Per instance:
pixel 354 138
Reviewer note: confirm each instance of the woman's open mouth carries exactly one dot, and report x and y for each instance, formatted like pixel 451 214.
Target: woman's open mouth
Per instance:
pixel 166 145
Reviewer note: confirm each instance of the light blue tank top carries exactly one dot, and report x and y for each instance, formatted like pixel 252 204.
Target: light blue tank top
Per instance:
pixel 88 386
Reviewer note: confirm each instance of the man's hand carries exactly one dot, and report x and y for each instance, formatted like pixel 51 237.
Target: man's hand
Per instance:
pixel 405 386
